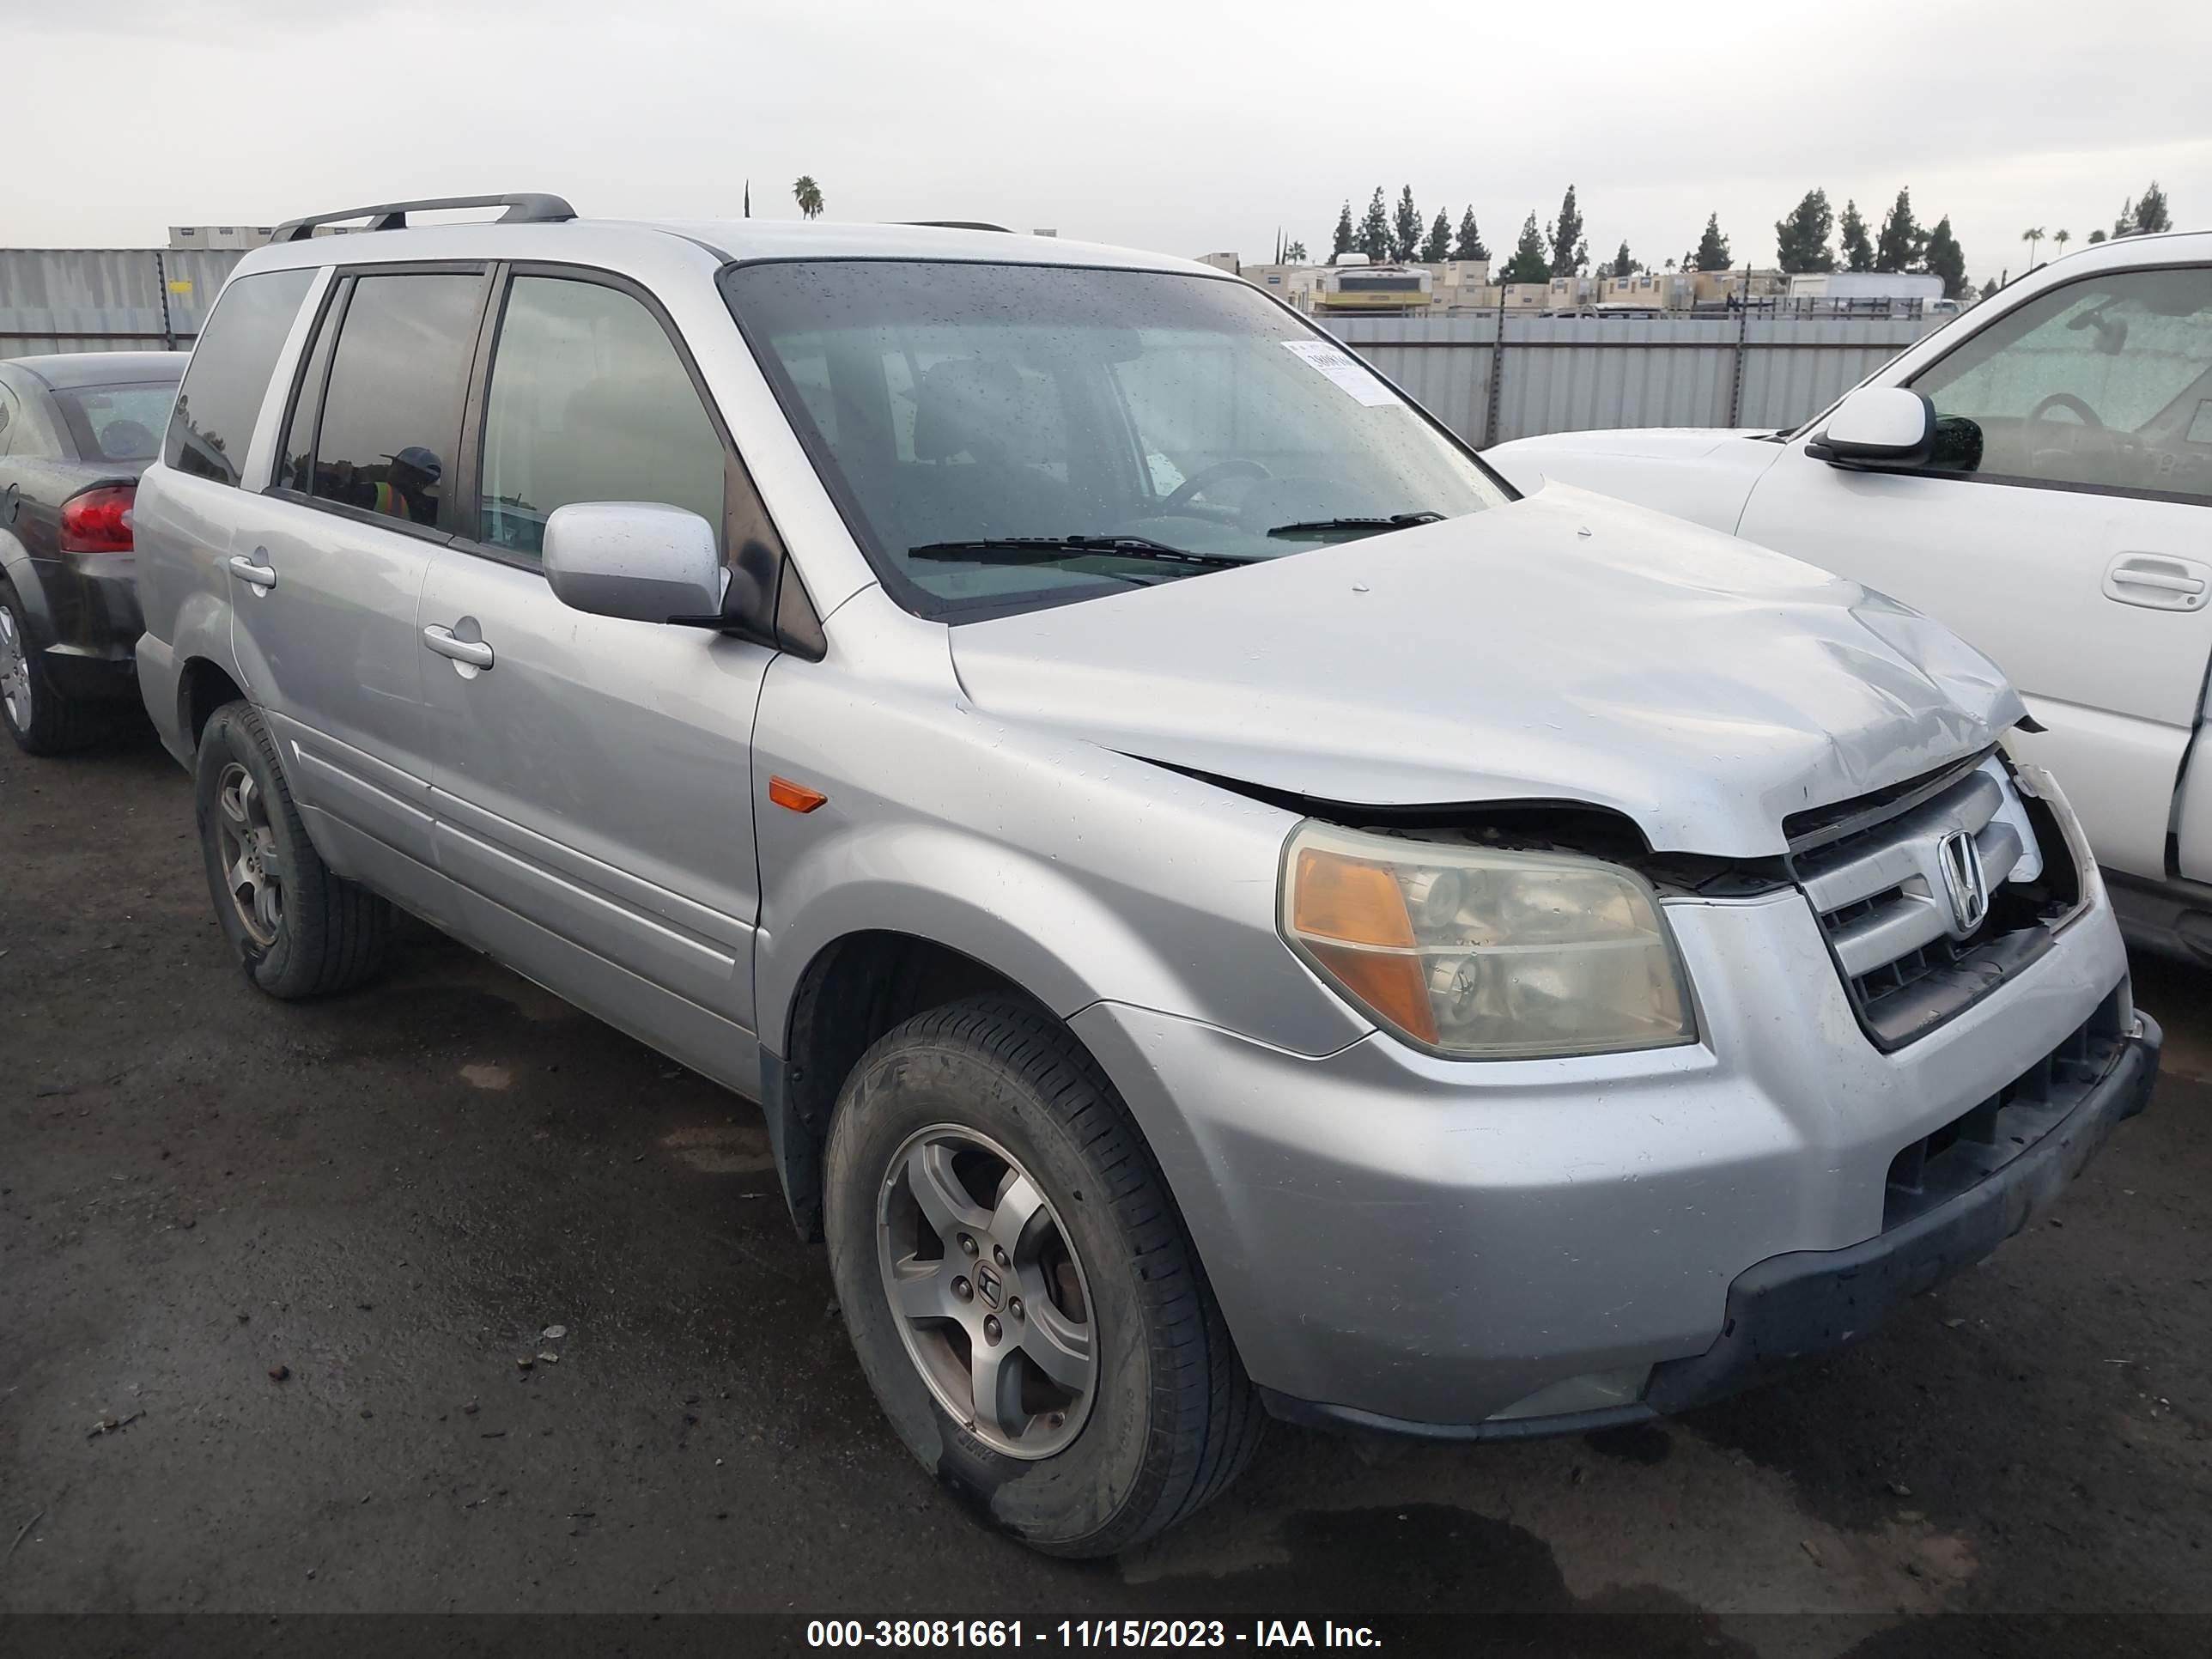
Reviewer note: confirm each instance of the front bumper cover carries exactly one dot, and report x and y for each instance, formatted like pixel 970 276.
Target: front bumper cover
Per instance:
pixel 1788 1307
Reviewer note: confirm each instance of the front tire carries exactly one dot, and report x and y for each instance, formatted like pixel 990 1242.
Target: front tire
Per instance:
pixel 1019 1288
pixel 299 930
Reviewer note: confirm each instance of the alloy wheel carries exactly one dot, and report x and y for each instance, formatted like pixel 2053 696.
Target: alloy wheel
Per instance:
pixel 252 871
pixel 989 1295
pixel 14 672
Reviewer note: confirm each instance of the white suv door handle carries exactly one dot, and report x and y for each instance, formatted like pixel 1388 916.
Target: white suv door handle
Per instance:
pixel 261 575
pixel 474 653
pixel 2159 580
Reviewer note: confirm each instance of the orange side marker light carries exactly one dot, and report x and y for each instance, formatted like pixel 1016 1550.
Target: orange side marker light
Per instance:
pixel 796 796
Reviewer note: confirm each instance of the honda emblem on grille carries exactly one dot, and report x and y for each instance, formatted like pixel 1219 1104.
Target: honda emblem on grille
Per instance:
pixel 1967 885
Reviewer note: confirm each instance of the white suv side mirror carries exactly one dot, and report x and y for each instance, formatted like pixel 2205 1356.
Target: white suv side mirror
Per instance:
pixel 1877 425
pixel 640 561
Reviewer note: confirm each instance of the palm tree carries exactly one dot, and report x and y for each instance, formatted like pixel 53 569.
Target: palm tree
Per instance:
pixel 2060 238
pixel 2031 237
pixel 809 196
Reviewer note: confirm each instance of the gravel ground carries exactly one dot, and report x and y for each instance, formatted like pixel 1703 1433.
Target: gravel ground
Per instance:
pixel 266 1273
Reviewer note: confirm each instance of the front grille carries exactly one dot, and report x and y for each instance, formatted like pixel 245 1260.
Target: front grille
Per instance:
pixel 1975 1144
pixel 1889 892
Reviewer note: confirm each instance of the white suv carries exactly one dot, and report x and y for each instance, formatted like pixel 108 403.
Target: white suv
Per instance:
pixel 2039 476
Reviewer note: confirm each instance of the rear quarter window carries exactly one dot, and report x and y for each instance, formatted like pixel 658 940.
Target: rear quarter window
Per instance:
pixel 228 376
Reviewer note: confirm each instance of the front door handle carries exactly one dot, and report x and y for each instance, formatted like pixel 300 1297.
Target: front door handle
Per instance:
pixel 474 653
pixel 261 575
pixel 2159 580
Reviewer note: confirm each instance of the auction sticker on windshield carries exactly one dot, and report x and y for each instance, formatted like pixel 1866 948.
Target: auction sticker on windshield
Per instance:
pixel 1347 372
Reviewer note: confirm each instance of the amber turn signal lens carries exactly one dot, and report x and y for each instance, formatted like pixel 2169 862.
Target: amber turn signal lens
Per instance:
pixel 1349 899
pixel 1387 982
pixel 795 796
pixel 1352 916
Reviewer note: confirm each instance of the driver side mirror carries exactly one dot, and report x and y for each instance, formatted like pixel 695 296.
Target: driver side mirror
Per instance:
pixel 1877 426
pixel 638 561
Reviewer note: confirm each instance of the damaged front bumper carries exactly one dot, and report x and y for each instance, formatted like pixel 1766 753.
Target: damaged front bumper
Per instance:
pixel 1517 1248
pixel 1791 1307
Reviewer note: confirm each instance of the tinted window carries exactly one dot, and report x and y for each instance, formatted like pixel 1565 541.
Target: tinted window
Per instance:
pixel 295 455
pixel 229 377
pixel 966 414
pixel 392 415
pixel 589 403
pixel 2105 382
pixel 117 423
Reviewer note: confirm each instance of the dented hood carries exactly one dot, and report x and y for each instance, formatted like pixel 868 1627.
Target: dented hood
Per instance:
pixel 1566 647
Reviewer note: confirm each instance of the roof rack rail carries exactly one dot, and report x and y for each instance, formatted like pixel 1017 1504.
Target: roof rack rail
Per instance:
pixel 529 209
pixel 955 224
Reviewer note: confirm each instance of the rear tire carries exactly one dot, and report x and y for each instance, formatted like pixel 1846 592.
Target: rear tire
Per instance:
pixel 299 930
pixel 41 720
pixel 1000 1092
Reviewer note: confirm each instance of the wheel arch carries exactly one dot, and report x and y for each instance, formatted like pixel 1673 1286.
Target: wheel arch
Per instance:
pixel 204 685
pixel 21 576
pixel 852 990
pixel 186 668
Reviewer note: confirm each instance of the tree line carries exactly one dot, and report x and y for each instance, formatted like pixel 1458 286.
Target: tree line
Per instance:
pixel 1800 239
pixel 1402 236
pixel 1560 246
pixel 2147 218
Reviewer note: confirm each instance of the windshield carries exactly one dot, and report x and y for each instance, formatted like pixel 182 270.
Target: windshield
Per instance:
pixel 972 418
pixel 118 422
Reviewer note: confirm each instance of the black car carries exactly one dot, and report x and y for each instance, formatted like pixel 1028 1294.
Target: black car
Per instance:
pixel 75 431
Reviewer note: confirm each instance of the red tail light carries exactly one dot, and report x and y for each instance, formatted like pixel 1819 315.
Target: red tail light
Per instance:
pixel 97 520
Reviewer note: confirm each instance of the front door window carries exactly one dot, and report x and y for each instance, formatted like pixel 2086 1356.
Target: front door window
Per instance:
pixel 2105 384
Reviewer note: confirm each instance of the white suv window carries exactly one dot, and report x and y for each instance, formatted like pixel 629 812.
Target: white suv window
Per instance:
pixel 2105 383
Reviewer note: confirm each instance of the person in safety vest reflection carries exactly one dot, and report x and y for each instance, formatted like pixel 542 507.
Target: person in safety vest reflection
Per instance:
pixel 402 493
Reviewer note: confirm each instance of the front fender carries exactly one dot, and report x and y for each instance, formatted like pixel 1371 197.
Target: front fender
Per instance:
pixel 1027 921
pixel 1074 873
pixel 1704 476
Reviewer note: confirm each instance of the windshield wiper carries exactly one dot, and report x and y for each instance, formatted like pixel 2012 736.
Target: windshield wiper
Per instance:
pixel 1047 549
pixel 1331 526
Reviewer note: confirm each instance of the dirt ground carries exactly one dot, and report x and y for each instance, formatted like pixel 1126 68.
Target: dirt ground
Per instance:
pixel 384 1200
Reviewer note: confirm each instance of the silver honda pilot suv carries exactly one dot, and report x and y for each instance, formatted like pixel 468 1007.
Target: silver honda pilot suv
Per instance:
pixel 1227 910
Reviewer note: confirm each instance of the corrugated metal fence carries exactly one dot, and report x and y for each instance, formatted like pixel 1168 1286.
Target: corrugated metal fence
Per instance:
pixel 1491 378
pixel 109 299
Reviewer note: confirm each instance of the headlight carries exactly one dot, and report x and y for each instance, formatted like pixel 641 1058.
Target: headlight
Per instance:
pixel 1479 953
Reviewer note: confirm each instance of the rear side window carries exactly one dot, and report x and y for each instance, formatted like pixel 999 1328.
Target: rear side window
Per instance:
pixel 589 403
pixel 213 422
pixel 391 412
pixel 117 423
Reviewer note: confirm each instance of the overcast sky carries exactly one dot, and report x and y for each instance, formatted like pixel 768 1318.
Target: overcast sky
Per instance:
pixel 1187 127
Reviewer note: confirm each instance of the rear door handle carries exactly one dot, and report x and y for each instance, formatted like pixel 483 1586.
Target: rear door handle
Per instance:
pixel 2159 580
pixel 474 653
pixel 261 575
